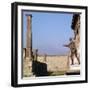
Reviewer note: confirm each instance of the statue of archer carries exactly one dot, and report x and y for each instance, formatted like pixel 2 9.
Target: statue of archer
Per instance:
pixel 73 50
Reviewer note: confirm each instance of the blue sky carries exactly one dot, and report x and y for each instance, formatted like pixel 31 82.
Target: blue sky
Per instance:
pixel 50 31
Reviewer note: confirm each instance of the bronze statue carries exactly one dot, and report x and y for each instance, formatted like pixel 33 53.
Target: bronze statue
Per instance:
pixel 73 50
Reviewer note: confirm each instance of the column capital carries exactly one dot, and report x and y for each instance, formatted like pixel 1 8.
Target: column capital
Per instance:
pixel 29 15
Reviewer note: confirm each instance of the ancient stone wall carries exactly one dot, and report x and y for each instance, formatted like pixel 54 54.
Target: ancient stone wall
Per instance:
pixel 55 63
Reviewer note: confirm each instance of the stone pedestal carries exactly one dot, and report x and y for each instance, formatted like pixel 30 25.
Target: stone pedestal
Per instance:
pixel 73 69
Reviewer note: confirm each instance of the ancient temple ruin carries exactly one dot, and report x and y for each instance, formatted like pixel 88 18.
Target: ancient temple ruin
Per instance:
pixel 31 67
pixel 76 28
pixel 27 59
pixel 75 69
pixel 36 65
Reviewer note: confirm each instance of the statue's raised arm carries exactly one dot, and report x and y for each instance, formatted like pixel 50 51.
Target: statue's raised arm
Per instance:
pixel 65 45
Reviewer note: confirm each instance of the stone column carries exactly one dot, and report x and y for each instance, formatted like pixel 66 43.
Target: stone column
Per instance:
pixel 29 37
pixel 27 65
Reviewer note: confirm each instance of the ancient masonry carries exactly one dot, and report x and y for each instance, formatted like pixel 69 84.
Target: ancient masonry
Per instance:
pixel 76 28
pixel 27 60
pixel 54 63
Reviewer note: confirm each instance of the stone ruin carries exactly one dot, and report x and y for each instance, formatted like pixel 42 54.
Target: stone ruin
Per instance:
pixel 30 56
pixel 76 29
pixel 27 59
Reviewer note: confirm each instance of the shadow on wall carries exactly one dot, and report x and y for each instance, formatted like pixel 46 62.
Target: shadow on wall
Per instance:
pixel 39 69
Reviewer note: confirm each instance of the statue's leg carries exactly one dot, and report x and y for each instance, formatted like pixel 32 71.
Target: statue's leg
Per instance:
pixel 72 59
pixel 77 58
